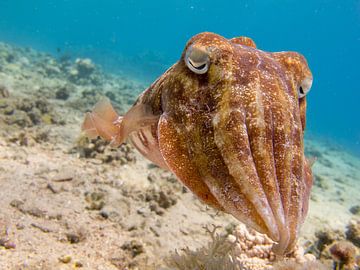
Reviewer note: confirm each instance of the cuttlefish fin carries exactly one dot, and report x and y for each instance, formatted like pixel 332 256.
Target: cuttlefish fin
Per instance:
pixel 103 121
pixel 243 41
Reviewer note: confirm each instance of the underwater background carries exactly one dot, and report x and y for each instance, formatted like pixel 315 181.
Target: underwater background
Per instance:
pixel 69 202
pixel 143 38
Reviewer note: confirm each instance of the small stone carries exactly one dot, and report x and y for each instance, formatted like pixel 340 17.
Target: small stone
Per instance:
pixel 104 214
pixel 8 110
pixel 231 238
pixel 16 203
pixel 65 259
pixel 73 238
pixel 134 247
pixel 36 212
pixel 9 245
pixel 62 93
pixel 20 226
pixel 355 210
pixel 6 243
pixel 4 91
pixel 78 264
pixel 353 232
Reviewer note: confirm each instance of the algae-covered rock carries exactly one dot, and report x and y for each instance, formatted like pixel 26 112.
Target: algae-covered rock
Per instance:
pixel 63 92
pixel 84 66
pixel 27 112
pixel 19 118
pixel 84 72
pixel 355 210
pixel 99 149
pixel 343 254
pixel 353 232
pixel 4 91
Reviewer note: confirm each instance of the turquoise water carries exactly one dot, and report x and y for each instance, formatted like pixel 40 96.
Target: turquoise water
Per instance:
pixel 142 38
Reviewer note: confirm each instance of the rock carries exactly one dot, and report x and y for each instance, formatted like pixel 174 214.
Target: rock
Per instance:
pixel 96 200
pixel 25 105
pixel 325 238
pixel 7 244
pixel 63 92
pixel 164 198
pixel 42 105
pixel 52 70
pixel 73 238
pixel 343 253
pixel 134 247
pixel 110 95
pixel 78 264
pixel 353 232
pixel 83 72
pixel 27 113
pixel 355 210
pixel 7 109
pixel 104 214
pixel 35 116
pixel 100 149
pixel 4 91
pixel 65 259
pixel 76 235
pixel 84 67
pixel 19 118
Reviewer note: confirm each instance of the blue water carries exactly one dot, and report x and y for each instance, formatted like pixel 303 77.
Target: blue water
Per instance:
pixel 142 38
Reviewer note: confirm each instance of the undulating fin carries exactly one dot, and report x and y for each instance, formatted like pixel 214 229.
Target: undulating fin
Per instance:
pixel 104 109
pixel 103 121
pixel 243 41
pixel 88 127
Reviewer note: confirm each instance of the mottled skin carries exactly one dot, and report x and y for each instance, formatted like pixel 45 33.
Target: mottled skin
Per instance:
pixel 233 135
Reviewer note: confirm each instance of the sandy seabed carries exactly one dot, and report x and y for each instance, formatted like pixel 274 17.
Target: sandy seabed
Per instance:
pixel 67 202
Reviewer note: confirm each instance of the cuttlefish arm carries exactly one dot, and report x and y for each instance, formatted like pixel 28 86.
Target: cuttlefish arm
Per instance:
pixel 173 147
pixel 137 124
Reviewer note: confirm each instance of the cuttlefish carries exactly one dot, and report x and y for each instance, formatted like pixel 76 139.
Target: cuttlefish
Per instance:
pixel 228 120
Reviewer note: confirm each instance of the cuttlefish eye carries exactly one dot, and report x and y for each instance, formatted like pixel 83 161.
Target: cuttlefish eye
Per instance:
pixel 197 60
pixel 305 87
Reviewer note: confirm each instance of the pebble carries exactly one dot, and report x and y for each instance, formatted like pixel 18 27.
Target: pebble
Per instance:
pixel 65 259
pixel 355 210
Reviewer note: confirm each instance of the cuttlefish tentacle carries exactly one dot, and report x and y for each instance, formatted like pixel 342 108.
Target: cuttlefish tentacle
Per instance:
pixel 231 130
pixel 226 193
pixel 173 148
pixel 297 180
